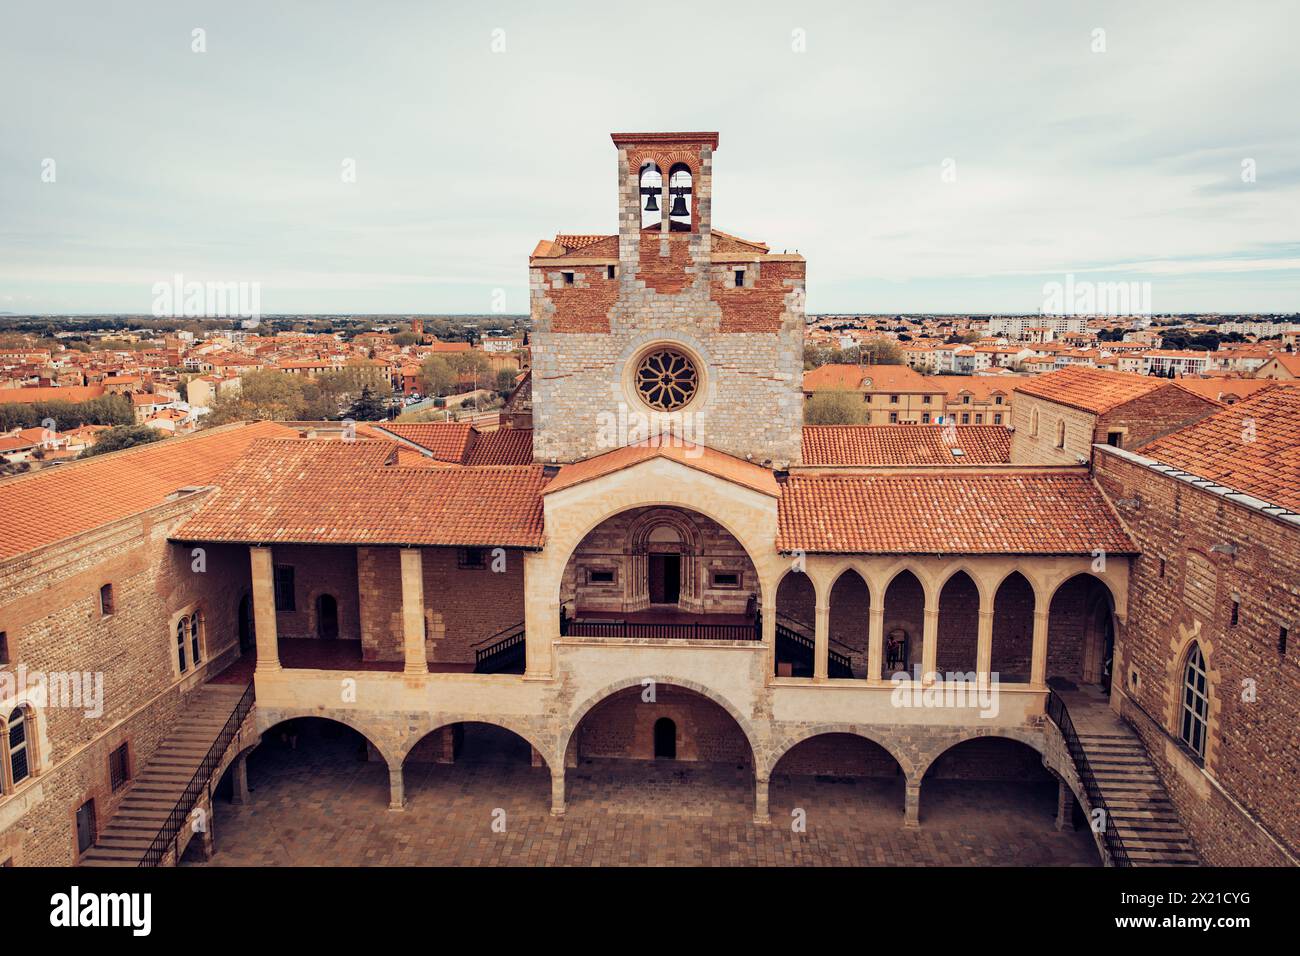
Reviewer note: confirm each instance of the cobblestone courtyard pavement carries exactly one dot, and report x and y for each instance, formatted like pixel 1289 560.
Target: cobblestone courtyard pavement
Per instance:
pixel 322 806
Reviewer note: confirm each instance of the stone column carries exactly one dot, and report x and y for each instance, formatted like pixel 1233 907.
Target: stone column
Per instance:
pixel 1064 807
pixel 1038 668
pixel 876 643
pixel 417 658
pixel 239 781
pixel 912 805
pixel 821 641
pixel 557 789
pixel 396 790
pixel 761 816
pixel 769 629
pixel 541 613
pixel 268 648
pixel 930 641
pixel 984 652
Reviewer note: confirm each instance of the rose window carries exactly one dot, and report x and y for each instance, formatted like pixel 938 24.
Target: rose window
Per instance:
pixel 666 380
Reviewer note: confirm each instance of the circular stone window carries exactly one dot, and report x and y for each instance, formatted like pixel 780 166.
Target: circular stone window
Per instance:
pixel 666 379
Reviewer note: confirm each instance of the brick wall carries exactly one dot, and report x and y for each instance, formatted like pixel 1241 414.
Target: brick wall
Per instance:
pixel 1013 629
pixel 623 726
pixel 51 616
pixel 839 755
pixel 959 620
pixel 1253 754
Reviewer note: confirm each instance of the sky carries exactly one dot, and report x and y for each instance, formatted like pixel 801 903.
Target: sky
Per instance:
pixel 923 156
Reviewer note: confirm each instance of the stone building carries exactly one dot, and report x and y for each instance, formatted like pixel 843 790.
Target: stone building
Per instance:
pixel 667 568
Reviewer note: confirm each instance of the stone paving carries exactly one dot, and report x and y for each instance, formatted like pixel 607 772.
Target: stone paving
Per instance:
pixel 320 805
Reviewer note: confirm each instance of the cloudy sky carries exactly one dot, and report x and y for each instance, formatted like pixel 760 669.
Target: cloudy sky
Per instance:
pixel 837 122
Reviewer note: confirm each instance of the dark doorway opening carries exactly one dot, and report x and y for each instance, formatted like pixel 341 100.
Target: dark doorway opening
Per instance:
pixel 327 617
pixel 86 829
pixel 665 578
pixel 665 739
pixel 246 636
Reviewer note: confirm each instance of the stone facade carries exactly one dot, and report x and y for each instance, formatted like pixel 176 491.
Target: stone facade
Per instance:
pixel 1238 799
pixel 736 310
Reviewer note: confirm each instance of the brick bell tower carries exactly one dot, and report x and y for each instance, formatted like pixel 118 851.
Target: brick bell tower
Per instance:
pixel 669 325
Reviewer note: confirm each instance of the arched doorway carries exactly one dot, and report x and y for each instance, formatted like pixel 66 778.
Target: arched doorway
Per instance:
pixel 904 624
pixel 796 605
pixel 849 626
pixel 665 739
pixel 958 626
pixel 327 617
pixel 660 747
pixel 843 778
pixel 247 635
pixel 477 761
pixel 1013 630
pixel 1080 632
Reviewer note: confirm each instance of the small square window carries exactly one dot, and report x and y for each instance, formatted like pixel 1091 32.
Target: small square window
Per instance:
pixel 1113 439
pixel 471 558
pixel 965 399
pixel 997 419
pixel 925 418
pixel 893 399
pixel 925 399
pixel 568 278
pixel 106 600
pixel 893 418
pixel 119 767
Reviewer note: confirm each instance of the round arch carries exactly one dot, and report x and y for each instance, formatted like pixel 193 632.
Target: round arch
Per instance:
pixel 1031 740
pixel 588 705
pixel 525 734
pixel 786 744
pixel 280 717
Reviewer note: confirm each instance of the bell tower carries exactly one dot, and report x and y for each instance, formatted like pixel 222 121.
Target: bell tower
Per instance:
pixel 669 325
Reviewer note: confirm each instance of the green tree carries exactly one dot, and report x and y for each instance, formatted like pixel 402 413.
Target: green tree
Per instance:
pixel 834 408
pixel 124 436
pixel 367 408
pixel 265 394
pixel 437 376
pixel 506 380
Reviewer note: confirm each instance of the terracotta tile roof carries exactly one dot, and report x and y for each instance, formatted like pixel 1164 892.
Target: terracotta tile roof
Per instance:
pixel 700 457
pixel 882 378
pixel 905 445
pixel 50 393
pixel 1222 389
pixel 1090 389
pixel 331 492
pixel 1253 446
pixel 50 505
pixel 980 387
pixel 505 446
pixel 948 514
pixel 446 441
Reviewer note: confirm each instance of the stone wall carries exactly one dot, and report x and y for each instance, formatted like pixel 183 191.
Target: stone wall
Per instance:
pixel 1238 803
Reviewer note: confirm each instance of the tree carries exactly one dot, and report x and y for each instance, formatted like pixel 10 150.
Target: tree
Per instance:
pixel 437 377
pixel 834 408
pixel 124 436
pixel 405 338
pixel 505 381
pixel 265 394
pixel 367 408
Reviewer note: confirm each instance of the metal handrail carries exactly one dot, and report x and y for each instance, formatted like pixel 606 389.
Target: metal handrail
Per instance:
pixel 201 780
pixel 1060 716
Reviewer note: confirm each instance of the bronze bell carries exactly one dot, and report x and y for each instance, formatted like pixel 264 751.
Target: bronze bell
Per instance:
pixel 650 204
pixel 679 206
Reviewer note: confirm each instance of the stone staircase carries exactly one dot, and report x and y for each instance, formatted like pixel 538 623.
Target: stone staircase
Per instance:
pixel 1139 808
pixel 123 839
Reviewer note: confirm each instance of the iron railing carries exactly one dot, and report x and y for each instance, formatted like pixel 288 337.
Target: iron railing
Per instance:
pixel 201 781
pixel 1060 716
pixel 500 651
pixel 678 632
pixel 837 665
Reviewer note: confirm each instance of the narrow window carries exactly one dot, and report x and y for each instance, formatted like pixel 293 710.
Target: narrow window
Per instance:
pixel 474 558
pixel 965 399
pixel 925 418
pixel 19 766
pixel 1033 423
pixel 4 647
pixel 893 399
pixel 180 643
pixel 1236 612
pixel 1060 433
pixel 119 767
pixel 106 600
pixel 609 272
pixel 1113 439
pixel 925 399
pixel 1162 567
pixel 284 589
pixel 1281 640
pixel 893 418
pixel 194 638
pixel 997 400
pixel 965 418
pixel 979 419
pixel 997 419
pixel 1196 702
pixel 740 278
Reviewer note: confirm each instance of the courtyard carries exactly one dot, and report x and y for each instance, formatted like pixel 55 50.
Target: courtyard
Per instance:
pixel 320 803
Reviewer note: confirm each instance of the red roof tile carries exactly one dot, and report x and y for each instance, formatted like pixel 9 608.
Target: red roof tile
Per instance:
pixel 699 457
pixel 330 492
pixel 948 514
pixel 446 441
pixel 877 378
pixel 1092 390
pixel 905 445
pixel 505 446
pixel 1253 446
pixel 50 505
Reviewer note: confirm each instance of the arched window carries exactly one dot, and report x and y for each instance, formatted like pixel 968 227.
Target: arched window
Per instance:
pixel 679 188
pixel 182 631
pixel 1196 702
pixel 651 183
pixel 18 755
pixel 196 626
pixel 1033 423
pixel 1060 433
